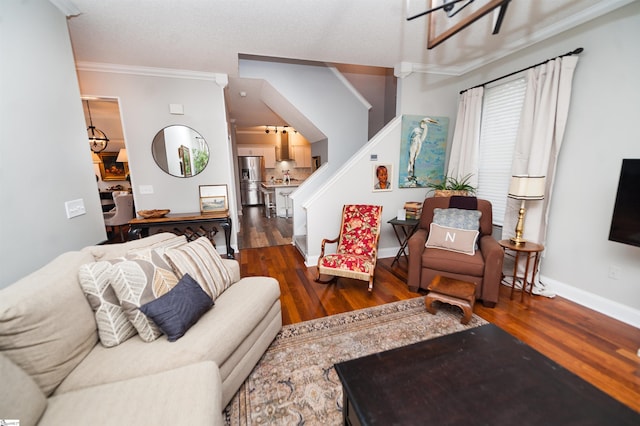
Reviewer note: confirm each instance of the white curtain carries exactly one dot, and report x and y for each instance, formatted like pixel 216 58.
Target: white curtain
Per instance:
pixel 540 135
pixel 463 159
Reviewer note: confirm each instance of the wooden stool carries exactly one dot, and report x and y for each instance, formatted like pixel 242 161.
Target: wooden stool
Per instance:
pixel 454 292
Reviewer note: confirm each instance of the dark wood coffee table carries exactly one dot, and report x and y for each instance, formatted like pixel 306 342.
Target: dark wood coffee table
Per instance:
pixel 481 376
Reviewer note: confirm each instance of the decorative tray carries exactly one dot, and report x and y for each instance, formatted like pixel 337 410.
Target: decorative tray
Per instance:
pixel 150 214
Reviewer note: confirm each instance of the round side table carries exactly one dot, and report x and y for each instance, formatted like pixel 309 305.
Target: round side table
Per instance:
pixel 530 250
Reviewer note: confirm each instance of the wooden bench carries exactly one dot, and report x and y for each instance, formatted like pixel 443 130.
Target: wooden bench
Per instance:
pixel 454 292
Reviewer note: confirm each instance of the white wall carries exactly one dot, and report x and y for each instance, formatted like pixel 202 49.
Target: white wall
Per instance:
pixel 371 83
pixel 352 183
pixel 44 153
pixel 319 96
pixel 601 131
pixel 144 104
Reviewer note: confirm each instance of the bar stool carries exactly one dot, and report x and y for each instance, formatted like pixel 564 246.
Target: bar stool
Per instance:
pixel 285 195
pixel 268 203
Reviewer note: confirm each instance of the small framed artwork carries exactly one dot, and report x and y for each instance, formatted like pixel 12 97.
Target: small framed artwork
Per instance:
pixel 110 169
pixel 213 199
pixel 185 160
pixel 422 150
pixel 381 173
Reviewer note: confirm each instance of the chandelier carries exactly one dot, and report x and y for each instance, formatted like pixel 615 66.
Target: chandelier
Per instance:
pixel 98 141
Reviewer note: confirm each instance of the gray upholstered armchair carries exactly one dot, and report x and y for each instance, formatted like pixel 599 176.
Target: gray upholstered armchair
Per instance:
pixel 484 267
pixel 121 214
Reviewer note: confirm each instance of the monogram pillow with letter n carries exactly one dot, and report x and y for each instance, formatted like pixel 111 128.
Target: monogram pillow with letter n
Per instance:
pixel 452 239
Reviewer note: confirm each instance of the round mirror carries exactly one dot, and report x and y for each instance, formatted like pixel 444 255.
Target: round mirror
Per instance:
pixel 180 151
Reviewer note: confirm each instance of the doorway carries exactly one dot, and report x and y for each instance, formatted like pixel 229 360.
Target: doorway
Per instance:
pixel 110 162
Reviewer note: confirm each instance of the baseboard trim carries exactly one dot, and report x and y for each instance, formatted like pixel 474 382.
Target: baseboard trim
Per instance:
pixel 600 304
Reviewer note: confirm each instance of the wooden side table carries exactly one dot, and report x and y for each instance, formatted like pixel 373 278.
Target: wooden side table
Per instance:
pixel 530 250
pixel 403 229
pixel 454 292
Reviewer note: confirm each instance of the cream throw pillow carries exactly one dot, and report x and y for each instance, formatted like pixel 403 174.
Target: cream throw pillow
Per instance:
pixel 201 260
pixel 113 325
pixel 452 239
pixel 138 281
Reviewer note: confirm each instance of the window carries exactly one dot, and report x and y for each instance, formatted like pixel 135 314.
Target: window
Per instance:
pixel 501 109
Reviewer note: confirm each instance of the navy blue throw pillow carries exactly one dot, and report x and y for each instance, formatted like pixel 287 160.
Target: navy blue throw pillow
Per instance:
pixel 176 311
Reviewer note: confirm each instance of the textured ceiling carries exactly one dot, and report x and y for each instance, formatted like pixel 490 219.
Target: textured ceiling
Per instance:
pixel 209 35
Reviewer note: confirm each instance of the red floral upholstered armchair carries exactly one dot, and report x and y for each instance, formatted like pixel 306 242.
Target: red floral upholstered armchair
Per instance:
pixel 357 250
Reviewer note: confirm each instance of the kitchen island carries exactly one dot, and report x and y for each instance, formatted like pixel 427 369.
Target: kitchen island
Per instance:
pixel 280 190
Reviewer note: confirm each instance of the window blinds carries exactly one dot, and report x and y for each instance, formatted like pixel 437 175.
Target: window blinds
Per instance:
pixel 501 110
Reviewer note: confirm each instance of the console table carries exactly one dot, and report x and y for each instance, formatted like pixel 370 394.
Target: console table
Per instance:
pixel 192 225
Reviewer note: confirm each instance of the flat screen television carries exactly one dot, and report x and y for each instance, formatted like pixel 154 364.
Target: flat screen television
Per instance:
pixel 625 223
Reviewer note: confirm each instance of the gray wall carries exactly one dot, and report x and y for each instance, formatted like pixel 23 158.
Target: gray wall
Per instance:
pixel 44 152
pixel 601 131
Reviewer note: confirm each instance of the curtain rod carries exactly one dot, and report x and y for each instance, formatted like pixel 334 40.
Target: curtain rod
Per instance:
pixel 573 52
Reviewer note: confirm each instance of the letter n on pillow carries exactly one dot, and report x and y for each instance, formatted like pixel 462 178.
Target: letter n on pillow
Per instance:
pixel 452 239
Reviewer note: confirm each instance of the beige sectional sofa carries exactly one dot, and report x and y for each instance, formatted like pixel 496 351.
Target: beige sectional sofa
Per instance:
pixel 55 370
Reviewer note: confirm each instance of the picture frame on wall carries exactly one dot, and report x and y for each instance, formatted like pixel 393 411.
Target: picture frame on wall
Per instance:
pixel 422 150
pixel 382 174
pixel 185 160
pixel 444 24
pixel 214 200
pixel 110 169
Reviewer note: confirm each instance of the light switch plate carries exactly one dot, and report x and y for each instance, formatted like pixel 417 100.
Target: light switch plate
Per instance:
pixel 176 109
pixel 75 208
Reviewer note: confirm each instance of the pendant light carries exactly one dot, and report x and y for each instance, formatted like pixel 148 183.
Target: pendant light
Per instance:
pixel 98 141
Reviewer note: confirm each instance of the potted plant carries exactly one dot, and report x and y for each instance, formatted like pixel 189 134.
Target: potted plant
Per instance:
pixel 453 186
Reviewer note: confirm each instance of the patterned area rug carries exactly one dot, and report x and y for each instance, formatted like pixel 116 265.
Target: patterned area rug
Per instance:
pixel 295 382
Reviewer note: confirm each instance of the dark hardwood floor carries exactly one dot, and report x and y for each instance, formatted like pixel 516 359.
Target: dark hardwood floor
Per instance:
pixel 257 230
pixel 597 348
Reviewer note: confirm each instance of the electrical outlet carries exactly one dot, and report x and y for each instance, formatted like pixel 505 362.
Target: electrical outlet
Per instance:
pixel 614 272
pixel 145 189
pixel 75 208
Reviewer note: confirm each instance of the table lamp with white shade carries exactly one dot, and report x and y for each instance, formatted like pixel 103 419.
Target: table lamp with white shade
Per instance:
pixel 524 187
pixel 122 156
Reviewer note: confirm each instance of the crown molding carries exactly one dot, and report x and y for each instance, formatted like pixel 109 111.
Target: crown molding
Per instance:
pixel 601 8
pixel 221 80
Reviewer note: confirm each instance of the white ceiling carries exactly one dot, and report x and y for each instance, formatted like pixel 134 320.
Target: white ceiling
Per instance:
pixel 209 35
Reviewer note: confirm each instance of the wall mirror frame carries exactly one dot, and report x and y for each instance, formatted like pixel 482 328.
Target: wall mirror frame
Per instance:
pixel 180 151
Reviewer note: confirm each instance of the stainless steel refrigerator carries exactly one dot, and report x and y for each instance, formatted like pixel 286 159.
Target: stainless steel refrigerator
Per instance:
pixel 251 175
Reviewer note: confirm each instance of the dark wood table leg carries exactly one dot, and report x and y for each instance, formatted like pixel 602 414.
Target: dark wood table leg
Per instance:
pixel 226 226
pixel 515 270
pixel 134 233
pixel 526 277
